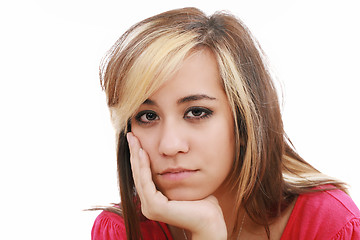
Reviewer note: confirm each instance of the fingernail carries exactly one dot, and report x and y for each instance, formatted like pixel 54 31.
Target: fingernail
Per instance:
pixel 141 152
pixel 129 138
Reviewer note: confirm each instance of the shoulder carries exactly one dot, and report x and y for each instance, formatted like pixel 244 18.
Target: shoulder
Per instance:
pixel 324 215
pixel 108 226
pixel 111 226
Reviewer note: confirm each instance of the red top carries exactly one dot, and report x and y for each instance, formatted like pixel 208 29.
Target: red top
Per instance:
pixel 322 215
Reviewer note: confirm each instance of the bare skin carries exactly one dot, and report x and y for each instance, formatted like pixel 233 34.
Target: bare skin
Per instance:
pixel 178 126
pixel 202 219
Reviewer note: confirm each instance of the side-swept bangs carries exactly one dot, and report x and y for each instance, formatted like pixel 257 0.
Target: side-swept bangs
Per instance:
pixel 138 64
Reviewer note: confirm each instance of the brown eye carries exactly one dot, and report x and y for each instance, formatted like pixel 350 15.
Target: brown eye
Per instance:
pixel 146 116
pixel 150 116
pixel 197 113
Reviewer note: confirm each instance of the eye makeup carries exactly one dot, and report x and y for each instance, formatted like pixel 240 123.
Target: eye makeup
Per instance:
pixel 146 117
pixel 191 113
pixel 197 113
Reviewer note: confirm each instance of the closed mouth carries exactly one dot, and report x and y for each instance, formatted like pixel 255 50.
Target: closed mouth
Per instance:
pixel 177 174
pixel 176 171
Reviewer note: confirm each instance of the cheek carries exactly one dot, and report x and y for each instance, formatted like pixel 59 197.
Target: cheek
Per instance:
pixel 143 138
pixel 147 140
pixel 223 144
pixel 222 135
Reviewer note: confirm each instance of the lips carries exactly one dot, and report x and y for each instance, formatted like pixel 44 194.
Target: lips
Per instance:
pixel 177 173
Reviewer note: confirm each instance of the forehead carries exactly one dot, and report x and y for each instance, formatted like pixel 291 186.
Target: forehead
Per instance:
pixel 198 74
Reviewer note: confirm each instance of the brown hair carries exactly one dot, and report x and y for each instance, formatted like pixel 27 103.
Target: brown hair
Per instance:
pixel 267 173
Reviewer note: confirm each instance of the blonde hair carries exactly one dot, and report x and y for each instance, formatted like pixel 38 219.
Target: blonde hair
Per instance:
pixel 267 173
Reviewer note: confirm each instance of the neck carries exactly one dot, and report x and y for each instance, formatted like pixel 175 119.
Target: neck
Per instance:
pixel 227 202
pixel 250 229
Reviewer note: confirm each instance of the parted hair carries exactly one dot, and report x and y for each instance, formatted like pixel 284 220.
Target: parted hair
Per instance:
pixel 267 173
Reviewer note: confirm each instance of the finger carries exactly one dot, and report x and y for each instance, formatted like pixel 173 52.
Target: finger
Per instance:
pixel 141 171
pixel 146 181
pixel 147 185
pixel 134 159
pixel 132 143
pixel 192 215
pixel 195 215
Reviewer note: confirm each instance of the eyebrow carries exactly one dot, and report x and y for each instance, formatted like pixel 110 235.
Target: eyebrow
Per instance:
pixel 190 98
pixel 195 97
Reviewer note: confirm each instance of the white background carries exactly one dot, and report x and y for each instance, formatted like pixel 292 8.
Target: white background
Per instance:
pixel 56 141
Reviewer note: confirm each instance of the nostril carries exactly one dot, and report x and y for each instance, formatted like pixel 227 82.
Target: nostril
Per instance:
pixel 172 147
pixel 173 139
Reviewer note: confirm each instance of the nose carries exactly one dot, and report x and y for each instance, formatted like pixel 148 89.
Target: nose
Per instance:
pixel 173 139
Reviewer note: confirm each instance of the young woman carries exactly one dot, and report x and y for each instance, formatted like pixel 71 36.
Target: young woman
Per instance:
pixel 202 153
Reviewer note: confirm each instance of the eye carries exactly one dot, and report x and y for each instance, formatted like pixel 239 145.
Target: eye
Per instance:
pixel 146 116
pixel 197 113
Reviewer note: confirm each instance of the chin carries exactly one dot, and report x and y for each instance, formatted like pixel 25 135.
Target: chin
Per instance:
pixel 184 195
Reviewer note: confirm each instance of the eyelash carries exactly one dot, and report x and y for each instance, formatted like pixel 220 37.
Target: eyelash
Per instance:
pixel 205 113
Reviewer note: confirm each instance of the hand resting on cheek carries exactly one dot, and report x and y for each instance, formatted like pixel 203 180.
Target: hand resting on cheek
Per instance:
pixel 203 218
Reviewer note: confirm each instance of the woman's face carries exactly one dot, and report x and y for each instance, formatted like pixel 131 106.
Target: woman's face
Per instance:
pixel 187 129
